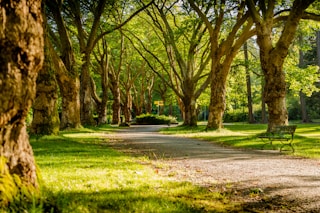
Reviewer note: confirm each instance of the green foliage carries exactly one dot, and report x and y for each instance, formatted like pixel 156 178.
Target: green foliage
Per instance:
pixel 150 119
pixel 15 196
pixel 238 115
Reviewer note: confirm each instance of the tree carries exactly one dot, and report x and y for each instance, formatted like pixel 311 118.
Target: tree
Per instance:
pixel 229 26
pixel 21 43
pixel 63 58
pixel 45 107
pixel 183 39
pixel 248 83
pixel 265 15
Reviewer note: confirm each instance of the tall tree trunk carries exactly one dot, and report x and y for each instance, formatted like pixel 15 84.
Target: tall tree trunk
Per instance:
pixel 69 86
pixel 248 81
pixel 127 106
pixel 303 104
pixel 45 107
pixel 189 103
pixel 116 107
pixel 190 112
pixel 264 118
pixel 273 54
pixel 86 100
pixel 217 102
pixel 275 94
pixel 21 44
pixel 102 107
pixel 66 75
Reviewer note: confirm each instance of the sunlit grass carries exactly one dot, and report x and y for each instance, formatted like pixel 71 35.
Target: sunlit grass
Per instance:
pixel 81 173
pixel 242 135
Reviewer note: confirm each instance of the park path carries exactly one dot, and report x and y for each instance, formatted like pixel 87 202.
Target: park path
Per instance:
pixel 204 163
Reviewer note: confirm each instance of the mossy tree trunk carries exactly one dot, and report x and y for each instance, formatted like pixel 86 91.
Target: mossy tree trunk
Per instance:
pixel 21 44
pixel 45 107
pixel 65 71
pixel 223 51
pixel 273 54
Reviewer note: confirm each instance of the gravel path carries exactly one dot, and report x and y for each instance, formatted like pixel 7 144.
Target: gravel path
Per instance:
pixel 295 181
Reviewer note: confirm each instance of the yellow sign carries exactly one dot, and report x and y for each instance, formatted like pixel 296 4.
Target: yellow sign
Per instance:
pixel 159 103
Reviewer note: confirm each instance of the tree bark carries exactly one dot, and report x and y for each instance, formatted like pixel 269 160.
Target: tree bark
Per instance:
pixel 86 100
pixel 248 82
pixel 69 86
pixel 303 104
pixel 45 107
pixel 264 118
pixel 115 89
pixel 273 54
pixel 66 75
pixel 21 44
pixel 217 100
pixel 222 52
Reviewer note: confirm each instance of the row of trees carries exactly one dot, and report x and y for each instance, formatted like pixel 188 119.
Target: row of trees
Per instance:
pixel 183 48
pixel 177 48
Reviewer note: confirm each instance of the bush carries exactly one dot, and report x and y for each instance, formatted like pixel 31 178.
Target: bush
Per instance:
pixel 150 119
pixel 235 116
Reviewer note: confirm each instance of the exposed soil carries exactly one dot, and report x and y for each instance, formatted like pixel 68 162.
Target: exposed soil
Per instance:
pixel 264 181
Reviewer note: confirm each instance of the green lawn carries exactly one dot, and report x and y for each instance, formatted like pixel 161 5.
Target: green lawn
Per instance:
pixel 241 135
pixel 81 173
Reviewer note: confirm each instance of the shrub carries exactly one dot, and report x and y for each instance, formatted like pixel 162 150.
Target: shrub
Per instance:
pixel 150 119
pixel 235 116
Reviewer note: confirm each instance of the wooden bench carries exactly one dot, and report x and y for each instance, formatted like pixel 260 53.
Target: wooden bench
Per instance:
pixel 284 134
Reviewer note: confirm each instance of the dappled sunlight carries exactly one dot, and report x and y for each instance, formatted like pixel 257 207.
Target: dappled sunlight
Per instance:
pixel 82 174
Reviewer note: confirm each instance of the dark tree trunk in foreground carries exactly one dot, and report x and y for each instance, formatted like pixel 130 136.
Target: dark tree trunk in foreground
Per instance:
pixel 21 44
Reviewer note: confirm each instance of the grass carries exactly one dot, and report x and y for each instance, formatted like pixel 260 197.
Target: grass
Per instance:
pixel 241 135
pixel 81 173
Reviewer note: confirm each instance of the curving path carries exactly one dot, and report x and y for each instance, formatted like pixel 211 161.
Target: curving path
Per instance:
pixel 294 179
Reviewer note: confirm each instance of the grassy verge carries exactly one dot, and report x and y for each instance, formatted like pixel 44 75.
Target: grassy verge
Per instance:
pixel 81 173
pixel 240 135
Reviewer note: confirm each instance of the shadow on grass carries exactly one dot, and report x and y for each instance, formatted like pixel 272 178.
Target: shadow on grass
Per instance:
pixel 142 199
pixel 82 174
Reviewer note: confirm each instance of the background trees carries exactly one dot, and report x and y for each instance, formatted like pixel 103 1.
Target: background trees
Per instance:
pixel 172 47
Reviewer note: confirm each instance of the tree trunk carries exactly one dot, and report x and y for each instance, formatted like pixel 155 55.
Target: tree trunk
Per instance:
pixel 273 54
pixel 190 112
pixel 66 75
pixel 86 101
pixel 264 118
pixel 303 104
pixel 116 102
pixel 217 104
pixel 248 81
pixel 127 107
pixel 69 86
pixel 70 112
pixel 275 95
pixel 45 107
pixel 102 108
pixel 21 44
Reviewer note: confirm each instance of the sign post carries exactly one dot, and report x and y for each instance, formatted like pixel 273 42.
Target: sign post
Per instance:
pixel 158 103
